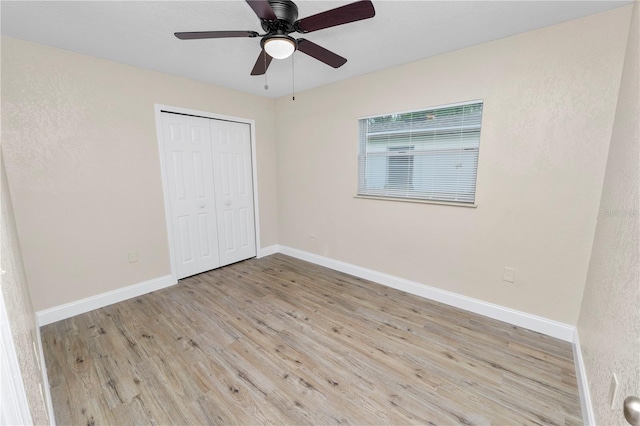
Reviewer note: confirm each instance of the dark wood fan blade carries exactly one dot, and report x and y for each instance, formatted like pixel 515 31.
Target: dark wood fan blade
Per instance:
pixel 214 34
pixel 261 64
pixel 320 53
pixel 262 8
pixel 338 16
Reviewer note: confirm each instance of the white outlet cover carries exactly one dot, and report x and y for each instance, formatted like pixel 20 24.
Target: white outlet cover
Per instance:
pixel 509 275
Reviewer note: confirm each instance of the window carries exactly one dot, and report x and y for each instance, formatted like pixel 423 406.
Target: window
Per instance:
pixel 424 155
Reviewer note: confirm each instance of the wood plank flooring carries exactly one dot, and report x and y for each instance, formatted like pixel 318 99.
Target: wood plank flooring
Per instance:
pixel 284 342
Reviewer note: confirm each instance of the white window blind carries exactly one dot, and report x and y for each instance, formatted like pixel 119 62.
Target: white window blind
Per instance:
pixel 427 155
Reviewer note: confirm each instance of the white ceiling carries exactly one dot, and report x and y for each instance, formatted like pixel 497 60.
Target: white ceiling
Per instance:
pixel 140 33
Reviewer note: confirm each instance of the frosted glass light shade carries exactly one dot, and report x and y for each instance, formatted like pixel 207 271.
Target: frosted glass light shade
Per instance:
pixel 279 47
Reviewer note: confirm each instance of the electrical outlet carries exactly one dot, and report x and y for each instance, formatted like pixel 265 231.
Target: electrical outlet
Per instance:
pixel 133 256
pixel 509 275
pixel 613 391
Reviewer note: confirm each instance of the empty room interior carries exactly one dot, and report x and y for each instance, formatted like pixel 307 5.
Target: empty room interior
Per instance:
pixel 401 212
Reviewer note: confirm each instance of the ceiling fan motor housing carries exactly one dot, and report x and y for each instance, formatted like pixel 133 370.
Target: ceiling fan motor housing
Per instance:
pixel 286 13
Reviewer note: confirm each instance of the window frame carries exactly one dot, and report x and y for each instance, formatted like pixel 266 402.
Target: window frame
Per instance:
pixel 366 193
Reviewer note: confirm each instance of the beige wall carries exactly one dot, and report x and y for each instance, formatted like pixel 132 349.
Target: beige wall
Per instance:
pixel 609 324
pixel 549 101
pixel 81 154
pixel 17 299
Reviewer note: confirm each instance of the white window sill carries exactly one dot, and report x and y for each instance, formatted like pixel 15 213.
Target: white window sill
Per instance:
pixel 413 200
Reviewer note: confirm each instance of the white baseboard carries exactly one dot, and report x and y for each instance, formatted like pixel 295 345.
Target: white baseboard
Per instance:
pixel 521 319
pixel 266 251
pixel 583 385
pixel 78 307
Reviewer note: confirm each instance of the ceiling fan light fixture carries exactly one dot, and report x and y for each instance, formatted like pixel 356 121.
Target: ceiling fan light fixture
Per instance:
pixel 279 46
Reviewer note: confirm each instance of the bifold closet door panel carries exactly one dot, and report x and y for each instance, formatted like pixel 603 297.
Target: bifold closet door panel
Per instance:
pixel 233 182
pixel 190 181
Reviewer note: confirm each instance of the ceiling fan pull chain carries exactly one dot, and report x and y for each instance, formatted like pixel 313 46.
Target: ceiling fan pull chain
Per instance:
pixel 293 80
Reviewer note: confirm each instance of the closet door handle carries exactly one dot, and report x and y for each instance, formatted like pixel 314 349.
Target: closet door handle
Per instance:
pixel 631 408
pixel 202 205
pixel 227 203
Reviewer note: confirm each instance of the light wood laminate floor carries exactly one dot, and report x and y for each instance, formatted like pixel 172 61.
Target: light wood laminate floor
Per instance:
pixel 284 342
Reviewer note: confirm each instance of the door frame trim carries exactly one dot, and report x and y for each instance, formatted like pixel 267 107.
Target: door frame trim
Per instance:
pixel 159 109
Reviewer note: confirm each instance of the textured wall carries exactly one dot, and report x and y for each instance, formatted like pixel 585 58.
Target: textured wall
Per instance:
pixel 609 324
pixel 81 152
pixel 15 292
pixel 549 98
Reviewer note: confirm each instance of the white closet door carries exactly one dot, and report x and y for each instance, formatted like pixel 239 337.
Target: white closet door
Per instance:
pixel 234 190
pixel 189 175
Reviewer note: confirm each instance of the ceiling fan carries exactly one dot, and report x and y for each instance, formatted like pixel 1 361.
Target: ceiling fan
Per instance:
pixel 279 18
